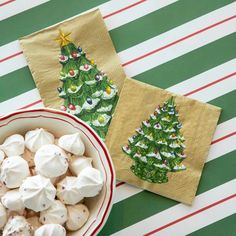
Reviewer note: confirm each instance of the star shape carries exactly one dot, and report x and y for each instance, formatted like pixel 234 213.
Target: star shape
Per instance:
pixel 63 39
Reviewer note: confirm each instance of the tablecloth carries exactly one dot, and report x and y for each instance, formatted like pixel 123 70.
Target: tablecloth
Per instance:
pixel 187 47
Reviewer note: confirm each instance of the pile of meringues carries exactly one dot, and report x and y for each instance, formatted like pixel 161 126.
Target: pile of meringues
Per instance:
pixel 44 182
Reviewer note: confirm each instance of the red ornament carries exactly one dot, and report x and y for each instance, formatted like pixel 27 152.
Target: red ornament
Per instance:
pixel 71 72
pixel 74 55
pixel 71 107
pixel 63 108
pixel 86 66
pixel 155 113
pixel 62 57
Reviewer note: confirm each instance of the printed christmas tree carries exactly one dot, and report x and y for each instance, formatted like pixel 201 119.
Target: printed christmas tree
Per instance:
pixel 87 91
pixel 158 145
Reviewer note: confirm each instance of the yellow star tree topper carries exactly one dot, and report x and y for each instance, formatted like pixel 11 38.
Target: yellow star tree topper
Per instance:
pixel 63 38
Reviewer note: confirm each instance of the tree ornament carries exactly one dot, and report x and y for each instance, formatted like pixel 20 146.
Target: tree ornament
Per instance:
pixel 71 107
pixel 73 88
pixel 97 77
pixel 89 101
pixel 101 119
pixel 111 81
pixel 74 55
pixel 62 58
pixel 63 108
pixel 86 66
pixel 102 73
pixel 165 162
pixel 59 89
pixel 92 62
pixel 108 90
pixel 71 72
pixel 79 49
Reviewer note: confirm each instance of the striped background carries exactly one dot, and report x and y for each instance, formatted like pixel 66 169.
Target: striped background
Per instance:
pixel 187 47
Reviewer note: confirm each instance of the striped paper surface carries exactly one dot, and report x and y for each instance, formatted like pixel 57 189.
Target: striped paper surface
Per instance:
pixel 187 47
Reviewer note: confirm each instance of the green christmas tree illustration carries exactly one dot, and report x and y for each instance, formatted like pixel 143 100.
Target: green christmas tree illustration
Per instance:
pixel 87 91
pixel 158 145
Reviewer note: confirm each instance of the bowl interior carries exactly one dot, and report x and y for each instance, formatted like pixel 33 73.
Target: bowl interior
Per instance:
pixel 60 123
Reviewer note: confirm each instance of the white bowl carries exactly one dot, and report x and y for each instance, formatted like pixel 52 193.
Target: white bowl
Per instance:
pixel 60 123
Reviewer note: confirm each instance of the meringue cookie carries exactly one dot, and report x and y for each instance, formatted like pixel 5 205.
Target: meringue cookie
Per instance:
pixel 77 216
pixel 72 143
pixel 2 156
pixel 90 182
pixel 51 161
pixel 55 214
pixel 14 170
pixel 18 226
pixel 77 164
pixel 35 139
pixel 3 216
pixel 37 193
pixel 56 180
pixel 14 145
pixel 68 191
pixel 12 200
pixel 50 230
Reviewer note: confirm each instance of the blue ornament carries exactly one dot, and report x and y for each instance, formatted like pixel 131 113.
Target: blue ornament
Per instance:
pixel 97 77
pixel 89 101
pixel 80 49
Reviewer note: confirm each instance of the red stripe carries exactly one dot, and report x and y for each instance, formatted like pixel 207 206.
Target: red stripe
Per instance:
pixel 30 105
pixel 190 215
pixel 179 40
pixel 11 56
pixel 119 184
pixel 224 137
pixel 123 9
pixel 7 2
pixel 210 84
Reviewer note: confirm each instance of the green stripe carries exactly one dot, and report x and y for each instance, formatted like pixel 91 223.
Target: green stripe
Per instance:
pixel 161 21
pixel 42 16
pixel 225 227
pixel 16 83
pixel 163 76
pixel 191 64
pixel 226 103
pixel 126 213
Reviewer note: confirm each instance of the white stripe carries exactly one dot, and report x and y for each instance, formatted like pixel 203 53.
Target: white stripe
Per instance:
pixel 17 6
pixel 216 90
pixel 112 22
pixel 216 150
pixel 224 146
pixel 135 12
pixel 182 47
pixel 195 222
pixel 19 101
pixel 204 78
